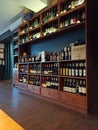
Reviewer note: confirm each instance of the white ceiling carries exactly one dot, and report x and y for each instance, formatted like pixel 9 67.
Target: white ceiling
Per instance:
pixel 10 8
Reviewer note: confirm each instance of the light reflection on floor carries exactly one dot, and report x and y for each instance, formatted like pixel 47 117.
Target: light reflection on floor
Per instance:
pixel 7 123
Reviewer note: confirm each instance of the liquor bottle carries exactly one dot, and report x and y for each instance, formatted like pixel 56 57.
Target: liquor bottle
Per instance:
pixel 72 4
pixel 81 87
pixel 70 86
pixel 56 83
pixel 83 15
pixel 51 56
pixel 55 69
pixel 75 19
pixel 24 79
pixel 73 86
pixel 48 82
pixel 31 25
pixel 62 8
pixel 78 18
pixel 70 69
pixel 71 19
pixel 61 23
pixel 52 13
pixel 67 67
pixel 66 53
pixel 77 86
pixel 73 69
pixel 67 21
pixel 67 85
pixel 84 69
pixel 69 5
pixel 76 69
pixel 84 88
pixel 44 82
pixel 61 69
pixel 69 53
pixel 64 85
pixel 80 69
pixel 62 54
pixel 64 69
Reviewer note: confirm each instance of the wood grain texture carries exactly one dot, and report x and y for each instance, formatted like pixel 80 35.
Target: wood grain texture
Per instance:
pixel 34 113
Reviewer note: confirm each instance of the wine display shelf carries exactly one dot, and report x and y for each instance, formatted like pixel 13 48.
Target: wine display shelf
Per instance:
pixel 73 90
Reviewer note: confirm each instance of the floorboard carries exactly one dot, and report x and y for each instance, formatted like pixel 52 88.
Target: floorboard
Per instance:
pixel 33 113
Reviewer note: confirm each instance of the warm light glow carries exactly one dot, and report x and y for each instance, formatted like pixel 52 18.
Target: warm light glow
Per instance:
pixel 7 123
pixel 34 5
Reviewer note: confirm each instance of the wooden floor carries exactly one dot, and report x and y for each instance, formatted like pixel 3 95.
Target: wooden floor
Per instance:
pixel 33 113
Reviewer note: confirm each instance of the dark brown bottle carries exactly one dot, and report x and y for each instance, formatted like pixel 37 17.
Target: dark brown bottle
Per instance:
pixel 84 88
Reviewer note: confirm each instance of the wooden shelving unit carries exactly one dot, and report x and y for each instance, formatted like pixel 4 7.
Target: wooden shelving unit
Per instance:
pixel 36 77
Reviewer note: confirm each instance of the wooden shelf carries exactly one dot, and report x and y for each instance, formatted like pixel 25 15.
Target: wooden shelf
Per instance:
pixel 82 29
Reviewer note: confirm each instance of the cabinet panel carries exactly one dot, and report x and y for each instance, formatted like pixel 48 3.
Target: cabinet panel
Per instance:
pixel 34 89
pixel 23 86
pixel 49 93
pixel 73 99
pixel 53 38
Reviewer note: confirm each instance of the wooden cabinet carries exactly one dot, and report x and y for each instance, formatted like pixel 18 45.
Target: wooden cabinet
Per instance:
pixel 55 54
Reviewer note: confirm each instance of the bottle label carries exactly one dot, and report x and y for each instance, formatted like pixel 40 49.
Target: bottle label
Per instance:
pixel 80 89
pixel 84 72
pixel 63 71
pixel 84 90
pixel 72 72
pixel 67 71
pixel 80 72
pixel 76 72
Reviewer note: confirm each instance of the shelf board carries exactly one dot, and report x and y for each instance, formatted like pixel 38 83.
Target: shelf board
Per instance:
pixel 35 28
pixel 72 77
pixel 34 85
pixel 49 21
pixel 72 27
pixel 44 62
pixel 75 9
pixel 48 75
pixel 25 33
pixel 23 63
pixel 35 62
pixel 34 74
pixel 24 73
pixel 72 60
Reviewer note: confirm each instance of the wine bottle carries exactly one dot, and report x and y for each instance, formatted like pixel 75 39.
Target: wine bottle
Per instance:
pixel 84 88
pixel 73 69
pixel 81 87
pixel 84 69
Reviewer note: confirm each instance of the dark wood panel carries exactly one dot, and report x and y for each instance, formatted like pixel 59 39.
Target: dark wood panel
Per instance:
pixel 51 93
pixel 73 99
pixel 34 89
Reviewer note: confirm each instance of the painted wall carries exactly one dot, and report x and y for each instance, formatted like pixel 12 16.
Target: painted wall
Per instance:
pixel 57 42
